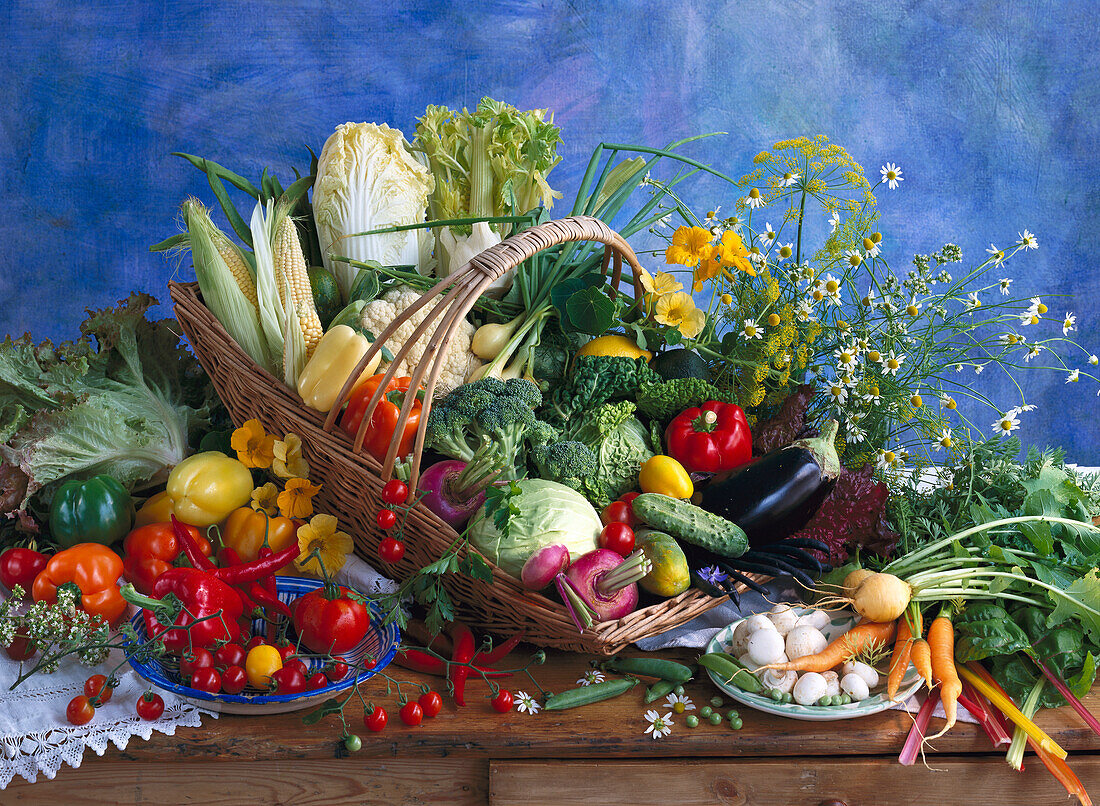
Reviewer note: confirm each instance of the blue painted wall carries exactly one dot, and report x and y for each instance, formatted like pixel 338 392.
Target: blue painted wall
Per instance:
pixel 989 107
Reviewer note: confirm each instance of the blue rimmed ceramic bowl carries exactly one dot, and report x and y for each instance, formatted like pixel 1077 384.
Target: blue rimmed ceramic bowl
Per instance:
pixel 379 643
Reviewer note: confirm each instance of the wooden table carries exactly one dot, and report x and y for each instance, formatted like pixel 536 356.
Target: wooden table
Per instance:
pixel 589 756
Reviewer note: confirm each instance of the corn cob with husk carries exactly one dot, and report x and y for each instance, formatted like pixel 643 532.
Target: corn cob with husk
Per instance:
pixel 290 263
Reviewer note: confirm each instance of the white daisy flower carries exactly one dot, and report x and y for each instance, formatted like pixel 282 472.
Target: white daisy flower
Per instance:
pixel 856 433
pixel 679 703
pixel 1037 306
pixel 1009 339
pixel 998 256
pixel 874 251
pixel 892 363
pixel 854 257
pixel 712 215
pixel 830 287
pixel 1029 317
pixel 769 235
pixel 790 178
pixel 754 199
pixel 1025 407
pixel 1068 324
pixel 834 221
pixel 1008 423
pixel 944 440
pixel 1032 352
pixel 839 394
pixel 891 175
pixel 1028 241
pixel 887 460
pixel 805 310
pixel 972 300
pixel 1094 360
pixel 526 704
pixel 751 330
pixel 590 677
pixel 1074 376
pixel 659 726
pixel 872 396
pixel 913 308
pixel 947 401
pixel 1004 284
pixel 958 368
pixel 978 369
pixel 845 358
pixel 869 299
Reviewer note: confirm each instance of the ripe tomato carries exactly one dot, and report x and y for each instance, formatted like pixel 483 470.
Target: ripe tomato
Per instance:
pixel 255 640
pixel 628 498
pixel 337 670
pixel 391 550
pixel 299 664
pixel 262 662
pixel 149 706
pixel 21 648
pixel 430 703
pixel 96 686
pixel 79 710
pixel 207 679
pixel 412 713
pixel 285 651
pixel 375 720
pixel 502 702
pixel 618 537
pixel 316 680
pixel 19 566
pixel 230 655
pixel 234 680
pixel 289 680
pixel 395 491
pixel 617 512
pixel 195 659
pixel 330 625
pixel 386 519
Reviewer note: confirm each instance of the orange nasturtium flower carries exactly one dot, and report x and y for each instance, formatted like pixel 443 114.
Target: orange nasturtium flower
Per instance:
pixel 332 546
pixel 689 246
pixel 296 499
pixel 254 447
pixel 289 461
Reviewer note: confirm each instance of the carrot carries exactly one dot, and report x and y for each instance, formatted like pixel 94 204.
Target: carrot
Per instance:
pixel 860 637
pixel 922 659
pixel 899 661
pixel 941 641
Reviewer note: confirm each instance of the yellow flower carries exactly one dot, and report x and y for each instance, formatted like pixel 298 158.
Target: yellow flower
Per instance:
pixel 663 283
pixel 678 310
pixel 254 448
pixel 332 547
pixel 264 499
pixel 708 268
pixel 733 253
pixel 289 461
pixel 689 246
pixel 296 499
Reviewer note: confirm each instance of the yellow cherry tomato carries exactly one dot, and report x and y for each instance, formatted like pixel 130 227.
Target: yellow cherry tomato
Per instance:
pixel 664 475
pixel 261 662
pixel 206 487
pixel 157 509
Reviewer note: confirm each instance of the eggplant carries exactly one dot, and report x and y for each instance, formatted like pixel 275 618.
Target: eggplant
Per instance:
pixel 776 495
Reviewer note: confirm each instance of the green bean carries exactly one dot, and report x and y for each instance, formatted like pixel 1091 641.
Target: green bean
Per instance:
pixel 731 672
pixel 650 667
pixel 662 688
pixel 586 695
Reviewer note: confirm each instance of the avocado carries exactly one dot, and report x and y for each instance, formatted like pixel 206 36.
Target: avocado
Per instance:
pixel 680 364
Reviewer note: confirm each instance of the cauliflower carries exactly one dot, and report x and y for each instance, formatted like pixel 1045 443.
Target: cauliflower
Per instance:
pixel 460 362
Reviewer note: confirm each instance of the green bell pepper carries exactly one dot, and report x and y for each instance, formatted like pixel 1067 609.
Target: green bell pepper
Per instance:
pixel 98 510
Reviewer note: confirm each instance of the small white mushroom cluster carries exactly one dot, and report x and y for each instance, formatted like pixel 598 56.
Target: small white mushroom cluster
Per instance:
pixel 781 635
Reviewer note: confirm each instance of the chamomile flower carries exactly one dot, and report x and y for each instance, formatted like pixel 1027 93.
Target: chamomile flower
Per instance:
pixel 659 726
pixel 998 256
pixel 768 236
pixel 1029 317
pixel 913 308
pixel 1028 241
pixel 790 178
pixel 712 215
pixel 874 356
pixel 854 257
pixel 1094 360
pixel 891 175
pixel 870 248
pixel 1008 423
pixel 869 299
pixel 834 221
pixel 1074 376
pixel 1037 306
pixel 591 677
pixel 1004 284
pixel 526 704
pixel 887 460
pixel 1068 324
pixel 751 330
pixel 845 358
pixel 945 440
pixel 786 250
pixel 1032 352
pixel 855 433
pixel 892 363
pixel 872 396
pixel 754 199
pixel 679 703
pixel 1009 339
pixel 804 311
pixel 830 287
pixel 972 300
pixel 979 369
pixel 838 392
pixel 948 402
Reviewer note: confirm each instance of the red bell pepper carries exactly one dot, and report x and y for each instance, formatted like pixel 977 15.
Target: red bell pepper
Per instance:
pixel 180 598
pixel 153 549
pixel 710 438
pixel 386 418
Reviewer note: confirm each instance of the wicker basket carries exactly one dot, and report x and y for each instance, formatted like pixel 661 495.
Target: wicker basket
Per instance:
pixel 352 481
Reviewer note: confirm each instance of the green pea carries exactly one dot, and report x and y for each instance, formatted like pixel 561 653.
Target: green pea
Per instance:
pixel 776 694
pixel 787 697
pixel 845 699
pixel 678 691
pixel 825 701
pixel 732 715
pixel 692 721
pixel 736 724
pixel 706 711
pixel 717 702
pixel 715 718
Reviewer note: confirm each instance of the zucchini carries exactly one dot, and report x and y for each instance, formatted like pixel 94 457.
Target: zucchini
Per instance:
pixel 670 575
pixel 688 522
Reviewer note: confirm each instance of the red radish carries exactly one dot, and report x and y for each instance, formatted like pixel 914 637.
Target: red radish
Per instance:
pixel 544 565
pixel 601 585
pixel 454 489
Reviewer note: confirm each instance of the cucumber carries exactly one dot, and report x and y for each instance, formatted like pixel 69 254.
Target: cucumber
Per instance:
pixel 685 521
pixel 670 575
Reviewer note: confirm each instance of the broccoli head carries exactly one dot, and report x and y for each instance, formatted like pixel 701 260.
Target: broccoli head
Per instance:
pixel 569 463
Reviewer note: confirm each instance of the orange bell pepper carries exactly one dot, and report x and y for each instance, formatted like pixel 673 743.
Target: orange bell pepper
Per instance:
pixel 91 567
pixel 152 549
pixel 386 416
pixel 245 529
pixel 157 509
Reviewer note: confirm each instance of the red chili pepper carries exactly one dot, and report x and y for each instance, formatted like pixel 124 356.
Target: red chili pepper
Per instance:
pixel 710 438
pixel 230 557
pixel 268 582
pixel 499 652
pixel 419 661
pixel 190 547
pixel 254 571
pixel 267 601
pixel 463 654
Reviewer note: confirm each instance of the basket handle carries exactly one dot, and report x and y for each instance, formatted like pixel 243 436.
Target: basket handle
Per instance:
pixel 466 287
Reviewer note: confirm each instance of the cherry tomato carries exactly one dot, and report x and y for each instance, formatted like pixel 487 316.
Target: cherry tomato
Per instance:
pixel 80 710
pixel 285 651
pixel 207 679
pixel 412 713
pixel 618 537
pixel 230 655
pixel 262 662
pixel 195 659
pixel 386 519
pixel 628 498
pixel 316 680
pixel 254 641
pixel 149 706
pixel 289 680
pixel 430 703
pixel 234 679
pixel 96 686
pixel 395 491
pixel 375 720
pixel 391 550
pixel 337 670
pixel 617 512
pixel 353 743
pixel 21 648
pixel 299 664
pixel 369 663
pixel 502 702
pixel 19 566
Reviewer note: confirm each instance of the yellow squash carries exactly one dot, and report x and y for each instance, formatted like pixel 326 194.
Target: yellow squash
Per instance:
pixel 206 487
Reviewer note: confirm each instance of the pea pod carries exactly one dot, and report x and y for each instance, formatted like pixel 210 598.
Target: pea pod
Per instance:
pixel 587 695
pixel 650 667
pixel 662 688
pixel 731 671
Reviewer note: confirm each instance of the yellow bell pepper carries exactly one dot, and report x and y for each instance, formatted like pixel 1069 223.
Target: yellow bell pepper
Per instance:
pixel 245 528
pixel 158 509
pixel 664 475
pixel 206 487
pixel 333 360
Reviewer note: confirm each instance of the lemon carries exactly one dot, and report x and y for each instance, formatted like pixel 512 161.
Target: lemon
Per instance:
pixel 614 345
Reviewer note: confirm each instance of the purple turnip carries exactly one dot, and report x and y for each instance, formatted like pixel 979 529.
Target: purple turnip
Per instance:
pixel 454 490
pixel 601 585
pixel 544 565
